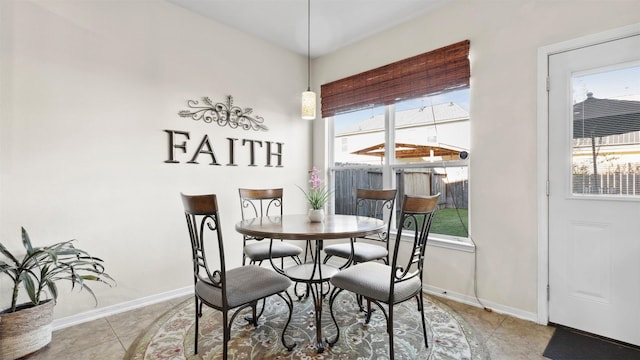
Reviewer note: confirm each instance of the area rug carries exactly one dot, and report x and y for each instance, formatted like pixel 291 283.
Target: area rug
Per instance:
pixel 570 344
pixel 172 335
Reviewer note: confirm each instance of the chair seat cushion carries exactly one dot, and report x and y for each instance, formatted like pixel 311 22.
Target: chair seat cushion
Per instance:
pixel 260 251
pixel 372 280
pixel 244 284
pixel 361 251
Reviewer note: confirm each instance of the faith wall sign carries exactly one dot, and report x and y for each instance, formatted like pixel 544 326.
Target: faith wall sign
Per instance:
pixel 182 148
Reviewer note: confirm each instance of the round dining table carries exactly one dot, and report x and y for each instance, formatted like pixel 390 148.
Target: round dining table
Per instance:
pixel 298 227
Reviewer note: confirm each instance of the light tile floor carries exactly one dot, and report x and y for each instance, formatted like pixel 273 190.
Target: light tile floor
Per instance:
pixel 108 338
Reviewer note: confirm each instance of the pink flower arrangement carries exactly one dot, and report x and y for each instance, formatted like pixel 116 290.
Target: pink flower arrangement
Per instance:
pixel 318 194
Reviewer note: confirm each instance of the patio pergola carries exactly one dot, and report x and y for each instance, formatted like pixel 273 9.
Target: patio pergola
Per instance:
pixel 404 151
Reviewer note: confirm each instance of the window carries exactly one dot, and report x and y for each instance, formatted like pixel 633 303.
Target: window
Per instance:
pixel 405 126
pixel 606 132
pixel 429 134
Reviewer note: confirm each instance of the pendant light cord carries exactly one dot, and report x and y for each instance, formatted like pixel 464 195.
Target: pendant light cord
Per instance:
pixel 308 45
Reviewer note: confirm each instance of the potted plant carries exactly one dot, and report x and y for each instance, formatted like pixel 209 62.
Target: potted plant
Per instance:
pixel 25 328
pixel 317 196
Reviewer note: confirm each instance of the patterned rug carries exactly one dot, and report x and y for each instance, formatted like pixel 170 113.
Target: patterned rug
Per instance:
pixel 171 336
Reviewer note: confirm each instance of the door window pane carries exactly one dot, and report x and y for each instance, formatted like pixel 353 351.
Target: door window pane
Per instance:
pixel 606 132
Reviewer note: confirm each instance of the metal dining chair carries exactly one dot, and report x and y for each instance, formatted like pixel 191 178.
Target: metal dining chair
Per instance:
pixel 402 280
pixel 372 203
pixel 220 288
pixel 258 203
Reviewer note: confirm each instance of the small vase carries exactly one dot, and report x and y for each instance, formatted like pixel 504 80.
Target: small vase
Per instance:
pixel 316 215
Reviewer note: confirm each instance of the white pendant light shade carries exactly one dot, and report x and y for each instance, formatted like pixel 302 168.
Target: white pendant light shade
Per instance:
pixel 308 105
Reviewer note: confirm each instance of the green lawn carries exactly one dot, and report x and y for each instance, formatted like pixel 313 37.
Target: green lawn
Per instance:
pixel 448 222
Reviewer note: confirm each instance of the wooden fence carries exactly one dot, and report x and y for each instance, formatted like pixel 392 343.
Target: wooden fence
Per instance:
pixel 347 181
pixel 408 181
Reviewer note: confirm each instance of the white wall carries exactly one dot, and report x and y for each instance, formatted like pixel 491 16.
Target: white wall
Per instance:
pixel 505 36
pixel 86 90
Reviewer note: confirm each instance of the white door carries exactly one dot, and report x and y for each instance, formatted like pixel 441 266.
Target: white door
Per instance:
pixel 594 210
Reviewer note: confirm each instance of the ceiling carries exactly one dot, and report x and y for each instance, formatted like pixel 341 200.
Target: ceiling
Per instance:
pixel 334 23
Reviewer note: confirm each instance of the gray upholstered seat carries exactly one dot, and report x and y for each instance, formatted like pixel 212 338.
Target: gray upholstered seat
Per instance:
pixel 259 251
pixel 219 288
pixel 373 281
pixel 256 203
pixel 362 251
pixel 244 284
pixel 402 280
pixel 372 203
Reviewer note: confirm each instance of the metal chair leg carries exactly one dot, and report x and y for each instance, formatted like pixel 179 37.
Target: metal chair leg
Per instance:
pixel 424 325
pixel 226 336
pixel 390 332
pixel 197 313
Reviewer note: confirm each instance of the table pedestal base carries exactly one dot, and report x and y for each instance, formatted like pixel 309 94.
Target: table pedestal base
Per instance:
pixel 314 275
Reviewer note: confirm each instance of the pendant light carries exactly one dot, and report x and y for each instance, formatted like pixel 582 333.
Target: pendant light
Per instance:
pixel 308 97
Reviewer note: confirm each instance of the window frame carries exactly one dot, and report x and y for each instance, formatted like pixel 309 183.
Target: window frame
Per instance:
pixel 389 167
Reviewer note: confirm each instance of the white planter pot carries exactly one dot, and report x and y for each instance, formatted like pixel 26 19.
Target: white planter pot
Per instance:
pixel 25 331
pixel 316 215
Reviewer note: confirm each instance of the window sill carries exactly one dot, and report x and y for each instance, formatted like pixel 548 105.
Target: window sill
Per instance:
pixel 443 241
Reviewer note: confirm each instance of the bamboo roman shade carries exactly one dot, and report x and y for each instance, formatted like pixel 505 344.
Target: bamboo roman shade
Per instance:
pixel 435 71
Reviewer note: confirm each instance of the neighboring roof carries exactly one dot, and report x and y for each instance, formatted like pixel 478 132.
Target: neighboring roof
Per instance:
pixel 443 112
pixel 604 117
pixel 593 107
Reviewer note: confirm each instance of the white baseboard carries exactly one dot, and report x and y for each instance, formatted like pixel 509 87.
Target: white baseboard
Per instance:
pixel 470 300
pixel 119 308
pixel 153 299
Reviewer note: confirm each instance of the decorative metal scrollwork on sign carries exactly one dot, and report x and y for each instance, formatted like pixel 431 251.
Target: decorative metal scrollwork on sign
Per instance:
pixel 224 114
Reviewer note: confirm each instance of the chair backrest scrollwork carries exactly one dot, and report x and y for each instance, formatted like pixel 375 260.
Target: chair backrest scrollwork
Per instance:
pixel 260 202
pixel 415 219
pixel 377 204
pixel 203 223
